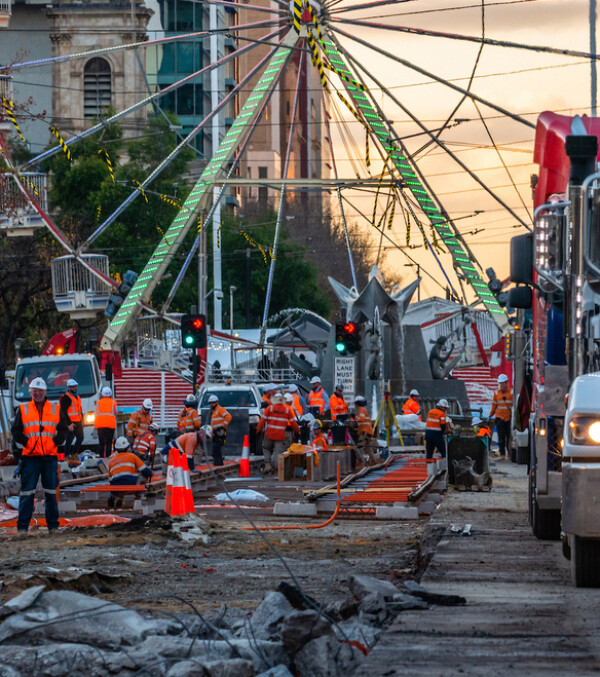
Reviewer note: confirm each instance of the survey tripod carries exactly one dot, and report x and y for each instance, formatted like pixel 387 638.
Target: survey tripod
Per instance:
pixel 386 408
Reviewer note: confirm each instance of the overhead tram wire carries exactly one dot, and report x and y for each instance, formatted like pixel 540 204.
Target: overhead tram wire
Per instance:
pixel 436 140
pixel 468 38
pixel 135 45
pixel 157 170
pixel 446 9
pixel 140 104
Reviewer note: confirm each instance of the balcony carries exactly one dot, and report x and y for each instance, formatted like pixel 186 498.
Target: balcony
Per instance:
pixel 5 13
pixel 18 216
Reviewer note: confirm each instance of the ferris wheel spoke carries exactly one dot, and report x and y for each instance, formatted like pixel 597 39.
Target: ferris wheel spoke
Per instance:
pixel 239 6
pixel 468 38
pixel 364 5
pixel 437 78
pixel 140 104
pixel 134 45
pixel 172 155
pixel 286 166
pixel 442 145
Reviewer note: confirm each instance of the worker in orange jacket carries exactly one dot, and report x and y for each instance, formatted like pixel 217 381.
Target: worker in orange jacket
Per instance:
pixel 70 402
pixel 366 442
pixel 274 420
pixel 435 428
pixel 482 430
pixel 502 410
pixel 412 406
pixel 139 421
pixel 317 398
pixel 337 404
pixel 40 427
pixel 189 420
pixel 105 422
pixel 220 418
pixel 123 469
pixel 144 445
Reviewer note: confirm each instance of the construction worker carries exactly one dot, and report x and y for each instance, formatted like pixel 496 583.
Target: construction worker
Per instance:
pixel 502 410
pixel 482 430
pixel 299 404
pixel 124 468
pixel 144 445
pixel 268 392
pixel 289 432
pixel 105 422
pixel 189 420
pixel 412 406
pixel 337 404
pixel 40 427
pixel 275 419
pixel 365 442
pixel 435 427
pixel 70 403
pixel 139 421
pixel 220 418
pixel 319 437
pixel 188 444
pixel 317 398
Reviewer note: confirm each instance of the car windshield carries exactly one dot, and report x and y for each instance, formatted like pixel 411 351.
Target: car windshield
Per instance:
pixel 231 398
pixel 55 374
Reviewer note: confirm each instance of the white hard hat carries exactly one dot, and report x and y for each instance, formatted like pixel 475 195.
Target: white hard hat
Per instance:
pixel 443 403
pixel 476 421
pixel 153 427
pixel 38 382
pixel 414 393
pixel 288 397
pixel 503 378
pixel 121 444
pixel 72 382
pixel 106 392
pixel 213 398
pixel 277 399
pixel 147 403
pixel 190 399
pixel 270 386
pixel 293 388
pixel 358 399
pixel 339 386
pixel 315 379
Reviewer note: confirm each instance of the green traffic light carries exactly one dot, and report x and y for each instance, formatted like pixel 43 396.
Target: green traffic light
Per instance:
pixel 340 347
pixel 189 340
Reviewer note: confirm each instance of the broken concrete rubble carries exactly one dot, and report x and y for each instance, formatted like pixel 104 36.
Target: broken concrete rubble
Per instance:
pixel 300 627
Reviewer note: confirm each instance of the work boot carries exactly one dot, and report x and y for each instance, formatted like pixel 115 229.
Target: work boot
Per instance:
pixel 119 502
pixel 268 469
pixel 21 534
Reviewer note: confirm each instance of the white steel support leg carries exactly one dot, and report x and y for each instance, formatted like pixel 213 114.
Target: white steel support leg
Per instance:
pixel 216 128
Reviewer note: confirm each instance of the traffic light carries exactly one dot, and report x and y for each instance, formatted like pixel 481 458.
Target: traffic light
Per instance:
pixel 193 331
pixel 117 297
pixel 347 337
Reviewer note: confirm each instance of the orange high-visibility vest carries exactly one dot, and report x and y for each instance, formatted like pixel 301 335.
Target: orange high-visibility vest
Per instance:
pixel 188 420
pixel 315 399
pixel 220 417
pixel 40 429
pixel 144 444
pixel 436 418
pixel 296 406
pixel 106 413
pixel 411 407
pixel 320 441
pixel 275 419
pixel 138 423
pixel 364 421
pixel 502 404
pixel 124 463
pixel 75 412
pixel 484 431
pixel 338 406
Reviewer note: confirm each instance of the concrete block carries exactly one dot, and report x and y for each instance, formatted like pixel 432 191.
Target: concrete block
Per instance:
pixel 152 505
pixel 436 498
pixel 92 495
pixel 67 506
pixel 138 505
pixel 295 509
pixel 385 512
pixel 426 507
pixel 7 471
pixel 440 485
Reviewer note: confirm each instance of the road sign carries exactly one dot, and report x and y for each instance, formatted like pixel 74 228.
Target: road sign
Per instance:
pixel 345 373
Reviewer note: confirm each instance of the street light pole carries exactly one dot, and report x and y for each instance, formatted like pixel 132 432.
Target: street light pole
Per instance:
pixel 232 289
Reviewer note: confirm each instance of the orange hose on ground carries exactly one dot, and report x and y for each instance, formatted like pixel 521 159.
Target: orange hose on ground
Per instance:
pixel 304 526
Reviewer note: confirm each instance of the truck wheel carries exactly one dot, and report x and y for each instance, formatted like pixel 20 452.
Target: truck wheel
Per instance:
pixel 545 524
pixel 585 562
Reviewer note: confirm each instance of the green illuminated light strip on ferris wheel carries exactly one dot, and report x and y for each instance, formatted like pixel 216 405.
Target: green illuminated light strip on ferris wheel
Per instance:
pixel 399 157
pixel 199 196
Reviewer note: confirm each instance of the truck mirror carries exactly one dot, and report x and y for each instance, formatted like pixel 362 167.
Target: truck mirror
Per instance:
pixel 521 259
pixel 520 297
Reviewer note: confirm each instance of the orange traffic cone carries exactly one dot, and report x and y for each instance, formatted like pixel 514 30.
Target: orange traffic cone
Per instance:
pixel 245 460
pixel 189 494
pixel 178 489
pixel 169 489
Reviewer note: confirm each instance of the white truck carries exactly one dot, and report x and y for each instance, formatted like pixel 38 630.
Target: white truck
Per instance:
pixel 56 370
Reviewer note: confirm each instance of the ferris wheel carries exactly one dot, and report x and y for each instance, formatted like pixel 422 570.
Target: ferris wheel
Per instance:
pixel 341 44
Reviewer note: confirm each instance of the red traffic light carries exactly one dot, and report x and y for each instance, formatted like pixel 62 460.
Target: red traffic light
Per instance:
pixel 350 327
pixel 197 323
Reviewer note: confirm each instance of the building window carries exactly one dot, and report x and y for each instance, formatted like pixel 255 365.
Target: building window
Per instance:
pixel 97 91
